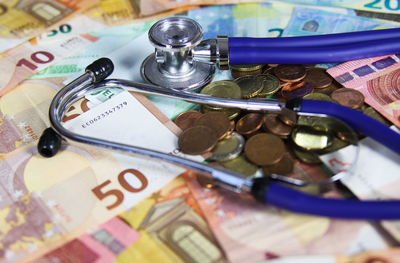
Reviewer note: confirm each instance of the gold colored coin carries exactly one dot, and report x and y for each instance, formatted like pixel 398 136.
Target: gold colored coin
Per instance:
pixel 311 139
pixel 273 124
pixel 223 88
pixel 197 140
pixel 231 113
pixel 270 85
pixel 264 149
pixel 247 67
pixel 186 119
pixel 283 167
pixel 348 97
pixel 249 123
pixel 250 86
pixel 241 165
pixel 228 148
pixel 337 144
pixel 217 121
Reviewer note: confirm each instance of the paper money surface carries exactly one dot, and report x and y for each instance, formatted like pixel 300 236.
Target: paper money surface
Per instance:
pixel 21 20
pixel 377 79
pixel 388 256
pixel 167 226
pixel 46 201
pixel 314 21
pixel 251 232
pixel 367 5
pixel 377 179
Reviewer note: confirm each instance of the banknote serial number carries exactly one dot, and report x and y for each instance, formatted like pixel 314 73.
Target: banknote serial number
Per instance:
pixel 105 114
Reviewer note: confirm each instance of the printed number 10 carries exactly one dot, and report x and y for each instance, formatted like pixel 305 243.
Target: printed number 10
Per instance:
pixel 118 194
pixel 39 57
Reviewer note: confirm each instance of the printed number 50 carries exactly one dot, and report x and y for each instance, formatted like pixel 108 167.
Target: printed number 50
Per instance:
pixel 100 193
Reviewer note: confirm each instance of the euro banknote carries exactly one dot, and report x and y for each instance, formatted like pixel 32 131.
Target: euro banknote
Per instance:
pixel 70 38
pixel 167 226
pixel 386 6
pixel 377 79
pixel 389 6
pixel 252 232
pixel 369 182
pixel 390 255
pixel 45 201
pixel 313 21
pixel 20 21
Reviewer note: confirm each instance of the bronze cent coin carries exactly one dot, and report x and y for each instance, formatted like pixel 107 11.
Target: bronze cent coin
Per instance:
pixel 186 119
pixel 217 121
pixel 290 73
pixel 283 167
pixel 288 117
pixel 348 97
pixel 273 124
pixel 318 78
pixel 197 140
pixel 264 149
pixel 249 123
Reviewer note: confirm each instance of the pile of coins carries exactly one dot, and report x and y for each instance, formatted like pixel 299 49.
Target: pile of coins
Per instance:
pixel 247 141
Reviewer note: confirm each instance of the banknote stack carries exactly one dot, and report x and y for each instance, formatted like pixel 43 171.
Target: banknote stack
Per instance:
pixel 93 205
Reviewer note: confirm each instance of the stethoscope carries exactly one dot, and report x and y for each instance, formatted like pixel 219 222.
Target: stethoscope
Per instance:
pixel 268 188
pixel 182 60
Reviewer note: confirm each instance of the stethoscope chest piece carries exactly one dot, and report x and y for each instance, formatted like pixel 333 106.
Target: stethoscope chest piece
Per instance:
pixel 171 65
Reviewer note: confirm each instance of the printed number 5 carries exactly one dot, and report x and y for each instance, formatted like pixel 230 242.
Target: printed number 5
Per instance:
pixel 119 195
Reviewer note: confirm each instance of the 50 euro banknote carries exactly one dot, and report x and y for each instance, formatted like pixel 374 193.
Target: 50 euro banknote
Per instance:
pixel 44 201
pixel 22 20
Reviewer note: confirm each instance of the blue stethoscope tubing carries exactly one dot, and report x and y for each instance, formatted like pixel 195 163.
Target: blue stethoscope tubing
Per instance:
pixel 330 48
pixel 290 199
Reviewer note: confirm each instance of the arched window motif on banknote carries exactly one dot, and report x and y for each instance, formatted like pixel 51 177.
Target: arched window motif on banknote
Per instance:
pixel 311 26
pixel 47 11
pixel 385 89
pixel 188 241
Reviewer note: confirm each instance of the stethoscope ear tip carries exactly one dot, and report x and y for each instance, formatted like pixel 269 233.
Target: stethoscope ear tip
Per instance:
pixel 49 143
pixel 101 69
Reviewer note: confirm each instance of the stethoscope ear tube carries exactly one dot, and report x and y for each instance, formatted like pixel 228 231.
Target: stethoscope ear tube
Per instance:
pixel 276 194
pixel 355 119
pixel 313 54
pixel 316 40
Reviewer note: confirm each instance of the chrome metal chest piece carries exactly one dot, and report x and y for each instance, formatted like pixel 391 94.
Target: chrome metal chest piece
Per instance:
pixel 172 65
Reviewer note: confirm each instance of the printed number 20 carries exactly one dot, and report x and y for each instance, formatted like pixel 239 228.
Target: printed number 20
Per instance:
pixel 377 5
pixel 119 195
